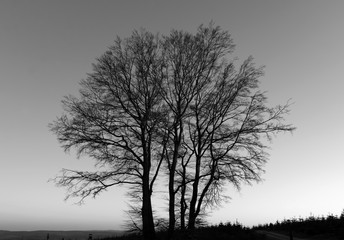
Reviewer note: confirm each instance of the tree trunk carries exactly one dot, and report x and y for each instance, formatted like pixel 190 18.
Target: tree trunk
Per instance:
pixel 147 212
pixel 172 217
pixel 192 217
pixel 147 215
pixel 183 205
pixel 172 194
pixel 192 211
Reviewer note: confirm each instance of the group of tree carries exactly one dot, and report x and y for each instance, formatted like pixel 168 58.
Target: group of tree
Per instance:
pixel 169 108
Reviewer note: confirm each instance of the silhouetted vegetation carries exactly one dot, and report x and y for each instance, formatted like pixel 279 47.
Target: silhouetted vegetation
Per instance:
pixel 330 226
pixel 215 232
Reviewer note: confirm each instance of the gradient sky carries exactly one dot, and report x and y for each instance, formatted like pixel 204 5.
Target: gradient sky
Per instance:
pixel 47 47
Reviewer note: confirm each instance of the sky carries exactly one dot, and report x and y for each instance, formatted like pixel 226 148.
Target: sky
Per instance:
pixel 47 47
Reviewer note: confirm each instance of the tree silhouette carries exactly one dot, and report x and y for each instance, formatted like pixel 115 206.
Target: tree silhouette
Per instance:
pixel 226 129
pixel 175 103
pixel 115 120
pixel 191 60
pixel 218 121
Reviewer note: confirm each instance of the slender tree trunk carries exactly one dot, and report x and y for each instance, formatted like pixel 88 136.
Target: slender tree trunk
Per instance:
pixel 205 189
pixel 182 199
pixel 172 194
pixel 182 203
pixel 172 217
pixel 192 211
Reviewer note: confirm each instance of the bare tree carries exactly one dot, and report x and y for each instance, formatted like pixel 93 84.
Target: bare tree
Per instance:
pixel 114 121
pixel 217 121
pixel 210 106
pixel 175 103
pixel 190 62
pixel 227 127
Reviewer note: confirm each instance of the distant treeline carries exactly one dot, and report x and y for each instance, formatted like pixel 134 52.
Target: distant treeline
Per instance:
pixel 311 226
pixel 214 232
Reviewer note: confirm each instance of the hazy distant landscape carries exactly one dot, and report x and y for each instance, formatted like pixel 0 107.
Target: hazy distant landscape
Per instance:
pixel 73 235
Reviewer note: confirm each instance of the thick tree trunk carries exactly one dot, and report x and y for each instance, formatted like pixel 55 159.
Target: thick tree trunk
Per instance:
pixel 192 216
pixel 147 211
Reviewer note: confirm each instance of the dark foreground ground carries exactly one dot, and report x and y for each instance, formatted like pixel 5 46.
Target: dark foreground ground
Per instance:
pixel 312 228
pixel 245 235
pixel 228 231
pixel 207 233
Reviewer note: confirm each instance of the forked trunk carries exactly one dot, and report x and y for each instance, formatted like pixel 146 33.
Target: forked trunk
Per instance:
pixel 178 131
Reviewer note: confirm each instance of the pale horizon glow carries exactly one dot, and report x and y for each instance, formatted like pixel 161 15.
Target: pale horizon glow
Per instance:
pixel 47 47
